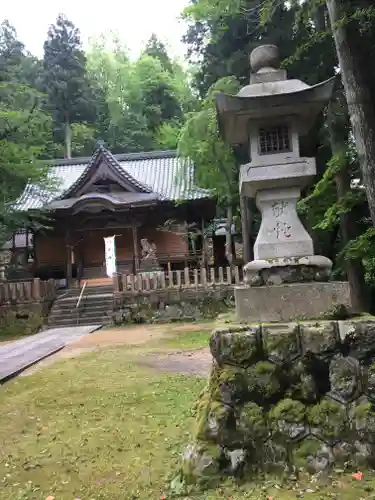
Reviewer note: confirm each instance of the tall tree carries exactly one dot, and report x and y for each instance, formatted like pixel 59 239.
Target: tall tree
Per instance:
pixel 358 80
pixel 122 123
pixel 11 52
pixel 24 133
pixel 159 101
pixel 215 164
pixel 65 79
pixel 156 49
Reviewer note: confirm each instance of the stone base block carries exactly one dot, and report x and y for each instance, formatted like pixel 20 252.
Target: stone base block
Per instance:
pixel 292 396
pixel 290 302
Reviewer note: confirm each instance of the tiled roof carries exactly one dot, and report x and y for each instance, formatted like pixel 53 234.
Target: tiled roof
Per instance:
pixel 159 172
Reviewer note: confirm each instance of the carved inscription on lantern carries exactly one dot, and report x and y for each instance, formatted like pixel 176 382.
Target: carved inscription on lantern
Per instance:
pixel 281 228
pixel 279 208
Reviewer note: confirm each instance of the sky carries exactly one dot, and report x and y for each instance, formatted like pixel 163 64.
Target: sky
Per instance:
pixel 133 20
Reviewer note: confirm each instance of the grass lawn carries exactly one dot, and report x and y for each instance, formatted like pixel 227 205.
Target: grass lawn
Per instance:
pixel 194 339
pixel 100 427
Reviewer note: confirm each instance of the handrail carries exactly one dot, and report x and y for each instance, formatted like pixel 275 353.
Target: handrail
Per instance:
pixel 81 295
pixel 79 300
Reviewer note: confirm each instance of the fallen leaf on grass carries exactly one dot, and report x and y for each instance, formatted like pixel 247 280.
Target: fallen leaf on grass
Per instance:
pixel 358 476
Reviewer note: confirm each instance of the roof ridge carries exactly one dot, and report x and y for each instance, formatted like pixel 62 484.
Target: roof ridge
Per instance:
pixel 123 172
pixel 146 155
pixel 113 162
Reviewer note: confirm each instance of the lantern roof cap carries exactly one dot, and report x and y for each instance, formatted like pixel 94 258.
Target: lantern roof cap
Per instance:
pixel 268 96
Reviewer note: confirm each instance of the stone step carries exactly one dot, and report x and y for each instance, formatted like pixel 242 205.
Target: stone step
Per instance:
pixel 96 307
pixel 88 305
pixel 82 314
pixel 92 305
pixel 64 322
pixel 95 296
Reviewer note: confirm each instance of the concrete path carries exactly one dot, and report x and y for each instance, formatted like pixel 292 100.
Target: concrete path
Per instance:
pixel 16 356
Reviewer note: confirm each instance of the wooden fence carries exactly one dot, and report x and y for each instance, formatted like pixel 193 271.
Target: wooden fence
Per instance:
pixel 178 280
pixel 27 291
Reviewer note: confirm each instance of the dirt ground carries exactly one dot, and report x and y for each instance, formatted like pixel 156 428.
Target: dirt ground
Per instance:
pixel 197 362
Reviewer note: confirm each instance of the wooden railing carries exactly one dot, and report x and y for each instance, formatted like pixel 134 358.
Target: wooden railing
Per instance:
pixel 185 279
pixel 27 291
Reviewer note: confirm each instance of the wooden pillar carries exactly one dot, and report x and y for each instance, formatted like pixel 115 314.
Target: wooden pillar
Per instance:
pixel 13 261
pixel 245 222
pixel 204 245
pixel 35 250
pixel 136 248
pixel 69 267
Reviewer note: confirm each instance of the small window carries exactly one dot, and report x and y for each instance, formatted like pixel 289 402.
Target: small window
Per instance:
pixel 274 140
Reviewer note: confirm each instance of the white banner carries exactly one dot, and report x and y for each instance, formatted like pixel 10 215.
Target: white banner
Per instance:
pixel 110 255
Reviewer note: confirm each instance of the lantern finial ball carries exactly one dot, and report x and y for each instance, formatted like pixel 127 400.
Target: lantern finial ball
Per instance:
pixel 265 56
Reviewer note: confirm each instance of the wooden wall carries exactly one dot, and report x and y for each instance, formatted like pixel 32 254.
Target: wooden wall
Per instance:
pixel 51 250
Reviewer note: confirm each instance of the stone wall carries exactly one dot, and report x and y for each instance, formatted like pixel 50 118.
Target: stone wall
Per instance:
pixel 171 305
pixel 296 395
pixel 291 302
pixel 24 309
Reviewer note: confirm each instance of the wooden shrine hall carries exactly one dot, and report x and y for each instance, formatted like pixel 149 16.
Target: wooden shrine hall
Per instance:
pixel 138 198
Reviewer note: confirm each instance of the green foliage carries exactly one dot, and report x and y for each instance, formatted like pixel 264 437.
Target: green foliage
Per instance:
pixel 65 81
pixel 25 134
pixel 167 136
pixel 156 50
pixel 200 142
pixel 146 99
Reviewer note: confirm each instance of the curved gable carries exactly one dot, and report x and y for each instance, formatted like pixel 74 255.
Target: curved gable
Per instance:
pixel 104 167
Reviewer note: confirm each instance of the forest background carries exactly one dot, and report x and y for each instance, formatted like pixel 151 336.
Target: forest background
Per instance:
pixel 61 105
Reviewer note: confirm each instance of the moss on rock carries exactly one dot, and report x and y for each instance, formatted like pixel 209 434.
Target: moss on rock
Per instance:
pixel 282 344
pixel 263 382
pixel 251 423
pixel 302 384
pixel 201 462
pixel 288 419
pixel 328 421
pixel 276 399
pixel 229 385
pixel 215 422
pixel 319 338
pixel 234 348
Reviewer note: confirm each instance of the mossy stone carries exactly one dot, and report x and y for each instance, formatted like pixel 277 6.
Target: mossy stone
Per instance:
pixel 288 419
pixel 251 423
pixel 215 422
pixel 319 338
pixel 200 462
pixel 263 382
pixel 303 386
pixel 362 420
pixel 312 455
pixel 360 341
pixel 369 384
pixel 229 385
pixel 281 343
pixel 328 421
pixel 345 377
pixel 236 348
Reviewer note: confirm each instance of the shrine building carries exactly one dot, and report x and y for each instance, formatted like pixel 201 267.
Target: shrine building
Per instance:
pixel 134 197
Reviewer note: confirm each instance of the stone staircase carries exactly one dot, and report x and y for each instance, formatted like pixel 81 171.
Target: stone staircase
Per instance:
pixel 96 307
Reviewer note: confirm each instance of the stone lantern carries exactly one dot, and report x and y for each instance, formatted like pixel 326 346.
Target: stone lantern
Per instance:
pixel 272 114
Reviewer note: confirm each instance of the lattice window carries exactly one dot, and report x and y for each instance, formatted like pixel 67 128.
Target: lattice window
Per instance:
pixel 274 140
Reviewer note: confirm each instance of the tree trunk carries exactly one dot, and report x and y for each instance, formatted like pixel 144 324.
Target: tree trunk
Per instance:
pixel 348 221
pixel 68 139
pixel 228 235
pixel 358 95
